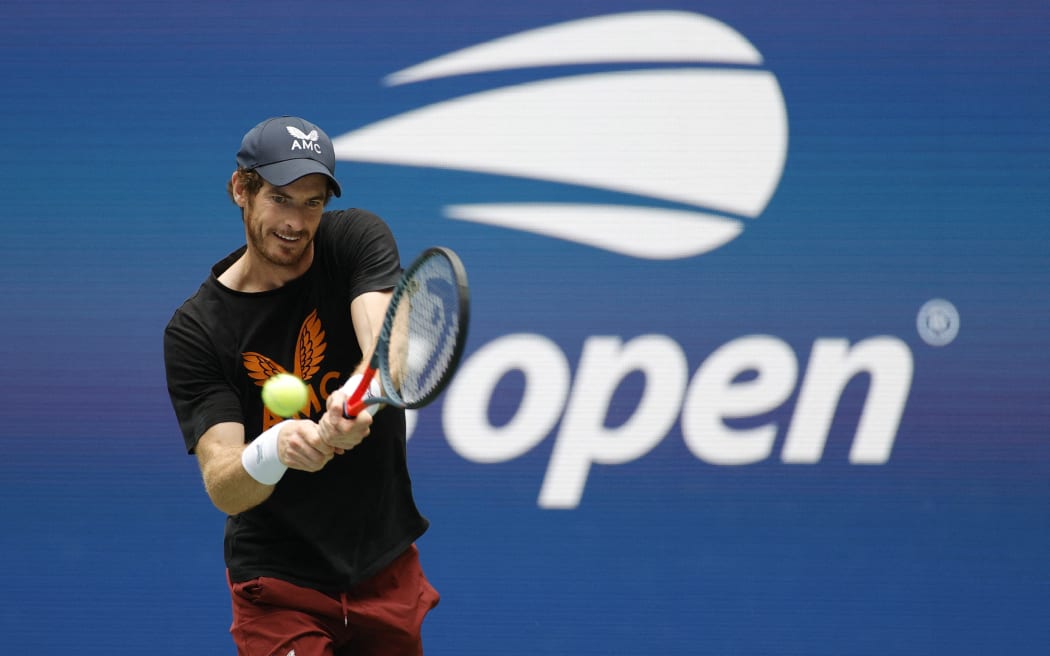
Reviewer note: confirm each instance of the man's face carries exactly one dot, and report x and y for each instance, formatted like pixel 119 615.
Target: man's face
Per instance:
pixel 280 222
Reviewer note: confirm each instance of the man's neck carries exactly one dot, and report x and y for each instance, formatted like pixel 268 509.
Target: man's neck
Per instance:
pixel 252 274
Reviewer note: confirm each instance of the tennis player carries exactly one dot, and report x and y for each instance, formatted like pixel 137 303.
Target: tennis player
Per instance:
pixel 321 528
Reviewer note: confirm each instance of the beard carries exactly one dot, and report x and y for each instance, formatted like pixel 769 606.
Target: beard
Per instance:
pixel 274 249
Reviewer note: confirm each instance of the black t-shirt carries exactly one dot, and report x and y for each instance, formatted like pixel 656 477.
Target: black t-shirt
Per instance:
pixel 330 529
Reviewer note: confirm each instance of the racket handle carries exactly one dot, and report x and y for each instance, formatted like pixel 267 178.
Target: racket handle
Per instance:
pixel 354 404
pixel 351 411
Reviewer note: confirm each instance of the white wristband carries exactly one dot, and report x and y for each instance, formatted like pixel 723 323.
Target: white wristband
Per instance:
pixel 260 458
pixel 374 389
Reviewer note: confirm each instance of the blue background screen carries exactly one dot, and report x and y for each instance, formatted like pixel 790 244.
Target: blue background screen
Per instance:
pixel 651 453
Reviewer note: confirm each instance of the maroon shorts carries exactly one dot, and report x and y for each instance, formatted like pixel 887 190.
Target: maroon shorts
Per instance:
pixel 383 615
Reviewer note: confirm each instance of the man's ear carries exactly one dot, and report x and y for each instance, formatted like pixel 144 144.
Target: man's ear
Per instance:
pixel 240 196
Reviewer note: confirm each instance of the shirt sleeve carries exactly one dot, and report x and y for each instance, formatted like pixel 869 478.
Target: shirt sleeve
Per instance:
pixel 200 394
pixel 361 245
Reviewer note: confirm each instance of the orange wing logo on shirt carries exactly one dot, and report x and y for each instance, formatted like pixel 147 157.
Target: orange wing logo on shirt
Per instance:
pixel 309 352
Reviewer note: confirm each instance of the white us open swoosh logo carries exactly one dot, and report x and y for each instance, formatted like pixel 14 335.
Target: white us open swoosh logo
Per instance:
pixel 711 139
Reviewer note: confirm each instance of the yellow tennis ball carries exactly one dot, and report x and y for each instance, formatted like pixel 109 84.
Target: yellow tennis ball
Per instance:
pixel 285 395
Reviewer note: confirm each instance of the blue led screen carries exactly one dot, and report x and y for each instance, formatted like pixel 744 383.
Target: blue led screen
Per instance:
pixel 758 361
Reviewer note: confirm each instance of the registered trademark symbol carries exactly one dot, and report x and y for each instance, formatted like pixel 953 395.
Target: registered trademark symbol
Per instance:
pixel 938 322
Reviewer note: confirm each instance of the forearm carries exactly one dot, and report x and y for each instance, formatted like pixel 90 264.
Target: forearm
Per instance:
pixel 367 312
pixel 238 478
pixel 228 484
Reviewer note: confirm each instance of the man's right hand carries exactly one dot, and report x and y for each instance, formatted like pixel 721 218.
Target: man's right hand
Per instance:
pixel 300 446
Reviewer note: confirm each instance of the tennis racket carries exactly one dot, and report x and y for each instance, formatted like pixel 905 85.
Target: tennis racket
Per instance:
pixel 423 334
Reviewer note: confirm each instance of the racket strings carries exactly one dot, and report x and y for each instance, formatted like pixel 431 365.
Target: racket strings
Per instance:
pixel 424 331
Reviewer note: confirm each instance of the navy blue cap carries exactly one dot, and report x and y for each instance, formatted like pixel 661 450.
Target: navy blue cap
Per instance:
pixel 285 148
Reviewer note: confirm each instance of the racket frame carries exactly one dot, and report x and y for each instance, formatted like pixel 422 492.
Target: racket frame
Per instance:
pixel 379 361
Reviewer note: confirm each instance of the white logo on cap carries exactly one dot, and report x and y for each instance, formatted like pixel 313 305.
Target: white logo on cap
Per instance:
pixel 303 141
